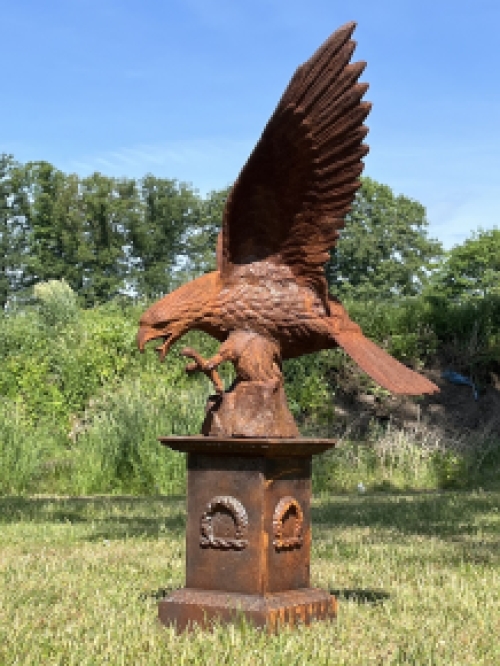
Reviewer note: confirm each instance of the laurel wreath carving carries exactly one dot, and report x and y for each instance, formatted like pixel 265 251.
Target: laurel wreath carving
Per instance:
pixel 287 505
pixel 240 517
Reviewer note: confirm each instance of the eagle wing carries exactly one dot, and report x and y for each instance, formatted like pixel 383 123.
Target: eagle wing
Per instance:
pixel 293 193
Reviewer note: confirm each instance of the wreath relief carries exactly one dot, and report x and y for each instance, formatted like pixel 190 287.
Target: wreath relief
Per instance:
pixel 286 509
pixel 223 504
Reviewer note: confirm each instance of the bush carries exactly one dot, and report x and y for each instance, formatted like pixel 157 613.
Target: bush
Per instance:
pixel 57 302
pixel 404 327
pixel 469 332
pixel 309 388
pixel 82 408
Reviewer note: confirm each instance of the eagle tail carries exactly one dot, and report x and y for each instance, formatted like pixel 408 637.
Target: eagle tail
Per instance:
pixel 380 366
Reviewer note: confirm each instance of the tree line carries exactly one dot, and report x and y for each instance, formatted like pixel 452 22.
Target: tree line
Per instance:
pixel 105 236
pixel 102 235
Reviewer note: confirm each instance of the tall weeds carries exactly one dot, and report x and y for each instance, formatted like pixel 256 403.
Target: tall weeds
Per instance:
pixel 20 450
pixel 404 459
pixel 118 450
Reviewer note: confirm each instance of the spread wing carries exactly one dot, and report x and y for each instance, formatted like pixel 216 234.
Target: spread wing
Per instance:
pixel 291 196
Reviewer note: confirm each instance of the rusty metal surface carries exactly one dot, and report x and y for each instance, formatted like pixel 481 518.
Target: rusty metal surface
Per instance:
pixel 268 447
pixel 288 514
pixel 268 299
pixel 248 524
pixel 248 534
pixel 252 409
pixel 188 608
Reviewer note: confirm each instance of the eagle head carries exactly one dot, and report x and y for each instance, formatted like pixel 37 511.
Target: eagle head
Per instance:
pixel 178 312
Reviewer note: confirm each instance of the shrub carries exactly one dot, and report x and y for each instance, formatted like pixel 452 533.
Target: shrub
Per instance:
pixel 404 327
pixel 84 377
pixel 57 302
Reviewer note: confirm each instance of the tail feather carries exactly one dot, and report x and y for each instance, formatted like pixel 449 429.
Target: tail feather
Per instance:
pixel 380 366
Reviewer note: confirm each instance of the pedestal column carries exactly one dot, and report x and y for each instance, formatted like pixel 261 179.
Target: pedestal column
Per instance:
pixel 248 533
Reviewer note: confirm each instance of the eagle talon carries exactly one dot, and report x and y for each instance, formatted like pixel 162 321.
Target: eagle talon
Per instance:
pixel 201 365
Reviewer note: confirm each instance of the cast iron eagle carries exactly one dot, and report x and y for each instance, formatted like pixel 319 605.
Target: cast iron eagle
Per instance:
pixel 268 299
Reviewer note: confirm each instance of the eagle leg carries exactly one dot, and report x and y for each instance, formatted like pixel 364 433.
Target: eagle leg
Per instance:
pixel 208 367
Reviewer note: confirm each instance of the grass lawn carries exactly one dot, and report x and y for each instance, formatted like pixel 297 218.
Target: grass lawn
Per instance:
pixel 418 577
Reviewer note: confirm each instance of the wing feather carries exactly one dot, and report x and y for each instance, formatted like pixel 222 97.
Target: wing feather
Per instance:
pixel 293 193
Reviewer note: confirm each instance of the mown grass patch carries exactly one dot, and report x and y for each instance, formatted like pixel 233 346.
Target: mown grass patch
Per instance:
pixel 418 576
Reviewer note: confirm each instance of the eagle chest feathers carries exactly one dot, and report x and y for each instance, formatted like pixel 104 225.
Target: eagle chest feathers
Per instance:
pixel 270 301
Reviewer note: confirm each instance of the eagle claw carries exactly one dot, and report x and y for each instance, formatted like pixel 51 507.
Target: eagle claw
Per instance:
pixel 201 365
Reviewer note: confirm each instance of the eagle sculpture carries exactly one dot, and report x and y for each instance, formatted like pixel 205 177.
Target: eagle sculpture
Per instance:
pixel 268 299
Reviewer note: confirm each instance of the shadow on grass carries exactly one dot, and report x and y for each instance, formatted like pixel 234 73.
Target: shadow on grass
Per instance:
pixel 464 519
pixel 438 514
pixel 107 517
pixel 467 521
pixel 361 596
pixel 157 595
pixel 358 595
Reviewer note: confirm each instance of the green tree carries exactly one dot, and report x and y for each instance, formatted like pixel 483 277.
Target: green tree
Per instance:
pixel 57 242
pixel 471 269
pixel 201 238
pixel 384 250
pixel 105 205
pixel 157 237
pixel 13 232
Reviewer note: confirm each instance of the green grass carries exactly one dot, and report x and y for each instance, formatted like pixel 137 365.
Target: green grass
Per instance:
pixel 418 576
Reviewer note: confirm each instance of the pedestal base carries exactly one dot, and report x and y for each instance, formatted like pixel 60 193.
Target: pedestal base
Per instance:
pixel 189 607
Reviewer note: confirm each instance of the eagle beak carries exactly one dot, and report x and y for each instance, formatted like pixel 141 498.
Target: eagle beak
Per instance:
pixel 163 349
pixel 143 335
pixel 147 333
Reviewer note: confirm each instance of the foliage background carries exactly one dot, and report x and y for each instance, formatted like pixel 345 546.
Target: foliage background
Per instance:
pixel 81 409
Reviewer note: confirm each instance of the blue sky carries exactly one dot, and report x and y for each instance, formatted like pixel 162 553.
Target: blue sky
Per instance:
pixel 183 89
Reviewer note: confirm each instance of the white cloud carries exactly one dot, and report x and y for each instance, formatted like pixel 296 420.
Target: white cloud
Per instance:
pixel 206 163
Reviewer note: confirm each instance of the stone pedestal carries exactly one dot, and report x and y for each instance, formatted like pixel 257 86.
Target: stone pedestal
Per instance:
pixel 248 533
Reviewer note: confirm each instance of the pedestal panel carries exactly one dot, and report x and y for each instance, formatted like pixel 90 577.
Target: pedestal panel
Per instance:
pixel 249 525
pixel 225 523
pixel 287 524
